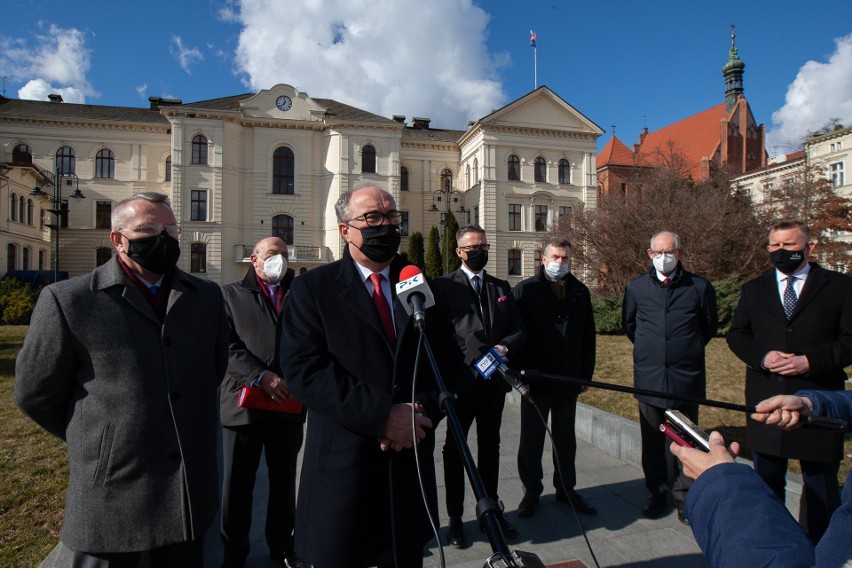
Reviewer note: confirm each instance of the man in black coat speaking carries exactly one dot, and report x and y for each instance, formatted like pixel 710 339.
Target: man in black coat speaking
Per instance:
pixel 556 309
pixel 793 329
pixel 252 306
pixel 670 315
pixel 348 351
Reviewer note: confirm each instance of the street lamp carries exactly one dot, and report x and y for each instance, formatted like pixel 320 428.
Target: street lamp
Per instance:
pixel 448 196
pixel 60 207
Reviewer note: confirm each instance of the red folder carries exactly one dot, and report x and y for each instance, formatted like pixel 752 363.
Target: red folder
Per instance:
pixel 256 398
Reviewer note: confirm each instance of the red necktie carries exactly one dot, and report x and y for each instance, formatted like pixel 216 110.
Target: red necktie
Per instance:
pixel 382 306
pixel 665 281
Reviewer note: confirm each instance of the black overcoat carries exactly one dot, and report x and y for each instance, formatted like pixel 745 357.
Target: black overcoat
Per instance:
pixel 339 363
pixel 820 328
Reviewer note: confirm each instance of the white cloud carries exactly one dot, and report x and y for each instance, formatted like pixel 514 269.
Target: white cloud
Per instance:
pixel 186 56
pixel 820 93
pixel 39 89
pixel 56 61
pixel 390 57
pixel 142 90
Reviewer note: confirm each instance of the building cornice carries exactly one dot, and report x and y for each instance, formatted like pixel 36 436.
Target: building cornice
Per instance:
pixel 90 125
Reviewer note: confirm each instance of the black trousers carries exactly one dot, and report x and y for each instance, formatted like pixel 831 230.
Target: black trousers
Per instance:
pixel 655 450
pixel 820 496
pixel 241 450
pixel 484 403
pixel 562 410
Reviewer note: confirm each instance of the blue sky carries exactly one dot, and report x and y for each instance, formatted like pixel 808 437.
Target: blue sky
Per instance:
pixel 624 63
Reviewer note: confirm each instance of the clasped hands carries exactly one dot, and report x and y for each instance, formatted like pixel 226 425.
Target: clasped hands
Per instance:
pixel 274 386
pixel 398 433
pixel 786 363
pixel 783 411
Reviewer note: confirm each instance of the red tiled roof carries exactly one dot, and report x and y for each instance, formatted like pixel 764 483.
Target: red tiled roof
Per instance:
pixel 615 153
pixel 694 137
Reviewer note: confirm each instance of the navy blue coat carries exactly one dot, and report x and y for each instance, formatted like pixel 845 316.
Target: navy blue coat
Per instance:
pixel 669 327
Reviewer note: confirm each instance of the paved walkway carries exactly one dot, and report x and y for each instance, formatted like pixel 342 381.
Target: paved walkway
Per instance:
pixel 619 535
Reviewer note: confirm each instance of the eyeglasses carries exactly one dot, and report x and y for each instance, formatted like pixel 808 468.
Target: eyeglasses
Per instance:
pixel 152 230
pixel 662 252
pixel 471 248
pixel 375 218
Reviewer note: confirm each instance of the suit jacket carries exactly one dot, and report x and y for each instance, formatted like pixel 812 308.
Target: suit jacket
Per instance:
pixel 253 348
pixel 560 333
pixel 340 364
pixel 473 335
pixel 820 328
pixel 135 400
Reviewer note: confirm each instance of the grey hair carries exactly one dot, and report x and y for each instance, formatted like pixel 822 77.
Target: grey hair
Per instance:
pixel 341 208
pixel 675 235
pixel 790 223
pixel 469 229
pixel 557 242
pixel 121 212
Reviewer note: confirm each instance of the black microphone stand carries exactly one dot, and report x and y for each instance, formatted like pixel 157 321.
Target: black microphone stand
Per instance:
pixel 486 508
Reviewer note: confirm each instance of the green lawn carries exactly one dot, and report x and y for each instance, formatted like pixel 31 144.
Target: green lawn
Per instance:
pixel 33 469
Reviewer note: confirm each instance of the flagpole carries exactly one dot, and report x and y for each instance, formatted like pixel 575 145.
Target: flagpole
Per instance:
pixel 534 45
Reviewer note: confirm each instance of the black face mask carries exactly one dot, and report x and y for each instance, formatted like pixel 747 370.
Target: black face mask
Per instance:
pixel 158 253
pixel 787 261
pixel 476 260
pixel 380 243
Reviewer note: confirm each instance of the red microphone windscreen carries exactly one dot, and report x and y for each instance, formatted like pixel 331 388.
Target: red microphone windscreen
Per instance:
pixel 409 272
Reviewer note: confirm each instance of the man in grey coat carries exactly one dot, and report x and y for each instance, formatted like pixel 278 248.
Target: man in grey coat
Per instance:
pixel 670 315
pixel 123 364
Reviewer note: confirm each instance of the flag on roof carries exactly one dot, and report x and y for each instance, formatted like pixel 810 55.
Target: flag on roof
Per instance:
pixel 532 38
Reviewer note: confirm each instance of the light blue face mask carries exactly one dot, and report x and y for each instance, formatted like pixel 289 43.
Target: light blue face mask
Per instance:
pixel 556 269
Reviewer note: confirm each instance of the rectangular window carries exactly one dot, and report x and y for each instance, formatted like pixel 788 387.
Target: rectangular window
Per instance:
pixel 514 217
pixel 198 205
pixel 103 211
pixel 837 175
pixel 198 257
pixel 514 262
pixel 541 218
pixel 403 227
pixel 476 215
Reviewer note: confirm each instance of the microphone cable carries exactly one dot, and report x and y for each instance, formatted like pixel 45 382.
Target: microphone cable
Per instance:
pixel 561 478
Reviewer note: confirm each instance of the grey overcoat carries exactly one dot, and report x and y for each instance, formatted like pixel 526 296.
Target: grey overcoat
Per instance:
pixel 136 402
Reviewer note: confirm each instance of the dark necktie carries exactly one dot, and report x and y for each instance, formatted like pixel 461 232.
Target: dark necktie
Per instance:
pixel 477 286
pixel 476 281
pixel 790 296
pixel 273 296
pixel 154 289
pixel 382 306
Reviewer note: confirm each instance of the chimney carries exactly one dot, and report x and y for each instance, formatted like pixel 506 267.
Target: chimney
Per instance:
pixel 421 123
pixel 400 118
pixel 157 102
pixel 55 98
pixel 642 135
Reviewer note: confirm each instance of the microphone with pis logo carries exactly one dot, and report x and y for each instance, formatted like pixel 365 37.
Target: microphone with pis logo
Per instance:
pixel 414 294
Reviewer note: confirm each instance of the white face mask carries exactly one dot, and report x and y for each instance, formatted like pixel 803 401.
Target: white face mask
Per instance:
pixel 665 263
pixel 556 269
pixel 274 267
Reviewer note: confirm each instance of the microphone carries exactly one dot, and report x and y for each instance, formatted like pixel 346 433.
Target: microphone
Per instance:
pixel 414 294
pixel 493 361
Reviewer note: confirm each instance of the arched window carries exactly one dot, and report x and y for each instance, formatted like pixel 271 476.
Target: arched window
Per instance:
pixel 467 177
pixel 540 166
pixel 199 149
pixel 11 257
pixel 282 227
pixel 66 161
pixel 13 207
pixel 475 171
pixel 514 164
pixel 368 159
pixel 446 180
pixel 22 209
pixel 25 258
pixel 198 257
pixel 102 255
pixel 22 154
pixel 283 171
pixel 169 169
pixel 105 164
pixel 403 179
pixel 29 211
pixel 564 171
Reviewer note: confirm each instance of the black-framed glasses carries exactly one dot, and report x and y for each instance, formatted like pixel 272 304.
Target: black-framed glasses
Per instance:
pixel 471 248
pixel 151 230
pixel 375 218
